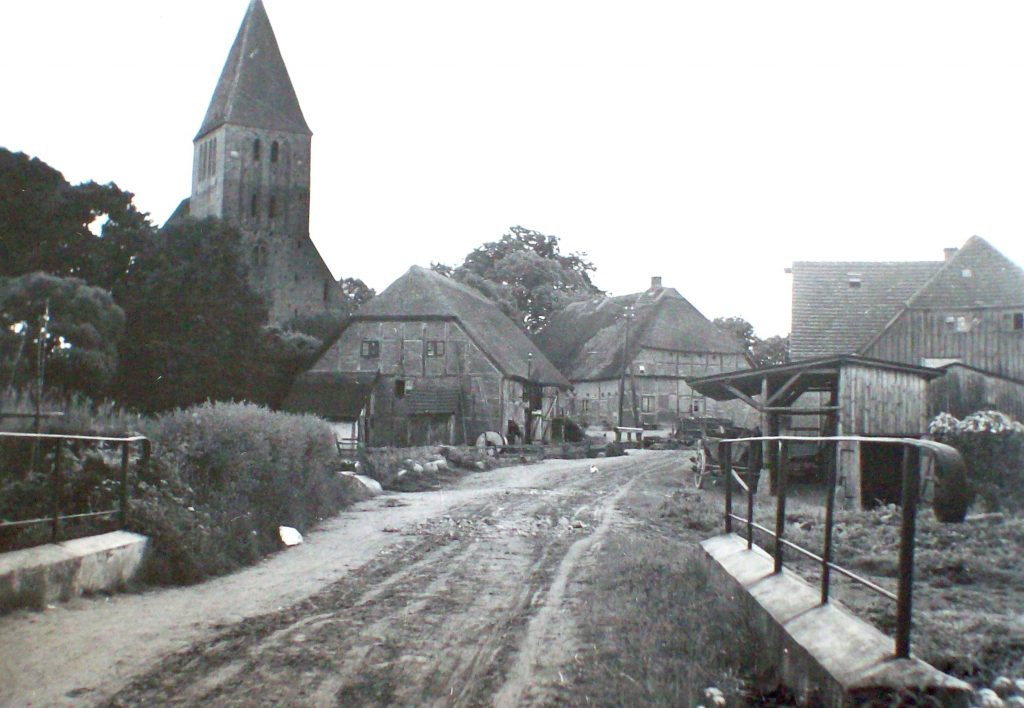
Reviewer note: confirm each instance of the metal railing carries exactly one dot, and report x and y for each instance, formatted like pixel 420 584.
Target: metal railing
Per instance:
pixel 57 502
pixel 943 455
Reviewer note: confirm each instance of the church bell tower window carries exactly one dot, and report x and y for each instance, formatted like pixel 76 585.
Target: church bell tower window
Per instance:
pixel 256 150
pixel 274 148
pixel 254 205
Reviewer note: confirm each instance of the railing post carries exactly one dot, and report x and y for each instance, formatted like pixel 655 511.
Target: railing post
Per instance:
pixel 58 483
pixel 750 512
pixel 780 507
pixel 725 458
pixel 124 484
pixel 830 506
pixel 905 592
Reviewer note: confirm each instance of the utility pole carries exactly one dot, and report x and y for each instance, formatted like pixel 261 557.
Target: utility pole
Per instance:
pixel 42 335
pixel 627 314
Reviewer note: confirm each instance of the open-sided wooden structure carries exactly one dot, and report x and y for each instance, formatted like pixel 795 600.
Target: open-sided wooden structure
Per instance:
pixel 841 395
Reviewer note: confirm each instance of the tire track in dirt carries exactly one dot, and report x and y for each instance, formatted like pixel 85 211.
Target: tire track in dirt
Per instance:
pixel 458 612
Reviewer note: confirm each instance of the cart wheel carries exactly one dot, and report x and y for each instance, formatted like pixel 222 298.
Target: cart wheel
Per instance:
pixel 700 469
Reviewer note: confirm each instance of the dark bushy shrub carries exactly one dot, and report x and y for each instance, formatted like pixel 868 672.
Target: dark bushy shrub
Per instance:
pixel 224 477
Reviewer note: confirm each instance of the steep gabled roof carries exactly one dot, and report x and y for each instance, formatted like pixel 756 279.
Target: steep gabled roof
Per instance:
pixel 839 306
pixel 976 276
pixel 254 89
pixel 586 339
pixel 424 294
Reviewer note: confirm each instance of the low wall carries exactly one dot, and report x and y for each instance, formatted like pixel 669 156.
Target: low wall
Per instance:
pixel 825 654
pixel 35 577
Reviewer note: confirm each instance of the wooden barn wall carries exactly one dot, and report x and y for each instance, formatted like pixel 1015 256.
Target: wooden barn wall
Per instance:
pixel 882 402
pixel 989 343
pixel 403 355
pixel 963 391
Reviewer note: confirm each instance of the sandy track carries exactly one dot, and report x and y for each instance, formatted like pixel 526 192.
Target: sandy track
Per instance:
pixel 459 606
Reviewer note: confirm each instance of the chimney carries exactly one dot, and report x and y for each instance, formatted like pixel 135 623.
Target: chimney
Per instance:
pixel 950 252
pixel 655 282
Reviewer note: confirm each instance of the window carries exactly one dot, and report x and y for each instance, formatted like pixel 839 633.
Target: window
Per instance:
pixel 584 405
pixel 399 388
pixel 256 150
pixel 259 254
pixel 254 205
pixel 647 404
pixel 370 348
pixel 213 156
pixel 272 207
pixel 435 347
pixel 958 323
pixel 1013 321
pixel 273 151
pixel 698 406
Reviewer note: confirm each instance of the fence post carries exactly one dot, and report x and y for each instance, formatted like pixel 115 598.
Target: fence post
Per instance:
pixel 124 484
pixel 58 482
pixel 905 592
pixel 830 507
pixel 726 464
pixel 780 507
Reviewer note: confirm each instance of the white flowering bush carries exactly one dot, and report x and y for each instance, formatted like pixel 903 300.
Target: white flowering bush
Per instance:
pixel 992 445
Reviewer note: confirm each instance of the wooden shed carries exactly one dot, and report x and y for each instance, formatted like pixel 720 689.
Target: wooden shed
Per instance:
pixel 841 395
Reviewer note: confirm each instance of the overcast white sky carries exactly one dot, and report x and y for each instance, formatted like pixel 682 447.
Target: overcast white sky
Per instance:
pixel 711 143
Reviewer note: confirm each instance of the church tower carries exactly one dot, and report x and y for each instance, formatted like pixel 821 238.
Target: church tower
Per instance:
pixel 251 167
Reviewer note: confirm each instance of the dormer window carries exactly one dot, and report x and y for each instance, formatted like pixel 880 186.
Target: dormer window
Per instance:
pixel 256 150
pixel 854 280
pixel 274 148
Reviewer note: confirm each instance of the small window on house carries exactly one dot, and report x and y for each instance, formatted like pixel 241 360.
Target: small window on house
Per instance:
pixel 272 207
pixel 1013 322
pixel 273 151
pixel 399 388
pixel 370 348
pixel 256 150
pixel 584 405
pixel 647 404
pixel 854 280
pixel 435 348
pixel 958 323
pixel 698 406
pixel 254 205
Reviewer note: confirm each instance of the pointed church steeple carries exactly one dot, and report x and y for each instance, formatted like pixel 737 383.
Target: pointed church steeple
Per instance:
pixel 251 167
pixel 254 89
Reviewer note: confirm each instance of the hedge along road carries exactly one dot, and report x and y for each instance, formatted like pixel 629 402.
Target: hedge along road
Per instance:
pixel 450 597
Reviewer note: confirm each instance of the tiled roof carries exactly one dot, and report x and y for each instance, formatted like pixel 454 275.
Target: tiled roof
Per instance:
pixel 976 276
pixel 585 340
pixel 254 89
pixel 839 306
pixel 422 293
pixel 435 401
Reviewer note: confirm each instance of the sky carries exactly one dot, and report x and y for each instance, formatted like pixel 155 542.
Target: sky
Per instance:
pixel 709 143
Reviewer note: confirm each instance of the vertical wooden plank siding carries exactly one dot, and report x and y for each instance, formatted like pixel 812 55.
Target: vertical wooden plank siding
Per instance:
pixel 876 401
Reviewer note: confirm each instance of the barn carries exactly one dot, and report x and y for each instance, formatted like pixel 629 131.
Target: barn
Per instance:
pixel 447 365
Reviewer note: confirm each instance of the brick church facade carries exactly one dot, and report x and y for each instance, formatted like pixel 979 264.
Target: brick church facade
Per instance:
pixel 251 167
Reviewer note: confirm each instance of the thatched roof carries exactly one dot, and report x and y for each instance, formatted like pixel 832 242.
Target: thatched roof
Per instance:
pixel 424 294
pixel 330 394
pixel 586 340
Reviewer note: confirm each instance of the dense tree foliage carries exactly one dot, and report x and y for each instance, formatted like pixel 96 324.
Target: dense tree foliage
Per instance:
pixel 527 275
pixel 82 333
pixel 762 352
pixel 326 326
pixel 46 224
pixel 193 321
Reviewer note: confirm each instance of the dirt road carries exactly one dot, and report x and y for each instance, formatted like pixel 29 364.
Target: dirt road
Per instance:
pixel 473 596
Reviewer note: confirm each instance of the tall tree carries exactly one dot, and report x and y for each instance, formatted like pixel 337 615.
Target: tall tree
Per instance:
pixel 193 321
pixel 82 334
pixel 88 231
pixel 527 275
pixel 762 352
